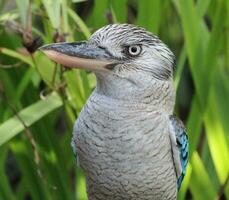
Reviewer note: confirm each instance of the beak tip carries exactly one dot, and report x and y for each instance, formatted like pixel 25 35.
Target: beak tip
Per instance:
pixel 40 48
pixel 44 48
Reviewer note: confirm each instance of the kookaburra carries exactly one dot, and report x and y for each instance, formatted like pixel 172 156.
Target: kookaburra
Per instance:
pixel 126 138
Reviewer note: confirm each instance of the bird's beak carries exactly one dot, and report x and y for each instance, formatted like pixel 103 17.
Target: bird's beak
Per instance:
pixel 79 55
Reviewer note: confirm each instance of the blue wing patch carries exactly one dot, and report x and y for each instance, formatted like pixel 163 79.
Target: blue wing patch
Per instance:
pixel 180 146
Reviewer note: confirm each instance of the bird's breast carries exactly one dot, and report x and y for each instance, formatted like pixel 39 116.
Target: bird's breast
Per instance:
pixel 122 148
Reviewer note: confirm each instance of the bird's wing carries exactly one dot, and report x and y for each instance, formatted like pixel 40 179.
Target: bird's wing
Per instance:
pixel 180 145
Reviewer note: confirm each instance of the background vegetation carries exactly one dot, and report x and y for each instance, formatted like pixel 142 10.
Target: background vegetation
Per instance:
pixel 39 101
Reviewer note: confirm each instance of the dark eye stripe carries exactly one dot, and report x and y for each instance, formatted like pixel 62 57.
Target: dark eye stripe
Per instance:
pixel 101 47
pixel 106 50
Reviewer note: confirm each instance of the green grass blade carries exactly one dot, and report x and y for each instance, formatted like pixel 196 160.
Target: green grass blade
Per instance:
pixel 46 69
pixel 5 190
pixel 180 67
pixel 202 6
pixel 183 190
pixel 80 185
pixel 24 83
pixel 227 36
pixel 119 7
pixel 78 1
pixel 85 83
pixel 200 183
pixel 16 55
pixel 29 115
pixel 33 183
pixel 149 14
pixel 98 13
pixel 53 8
pixel 194 125
pixel 23 6
pixel 80 23
pixel 216 122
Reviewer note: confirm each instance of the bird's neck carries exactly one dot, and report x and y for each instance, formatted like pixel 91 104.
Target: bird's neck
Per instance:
pixel 159 97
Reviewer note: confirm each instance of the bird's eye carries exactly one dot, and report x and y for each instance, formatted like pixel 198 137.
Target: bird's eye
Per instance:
pixel 134 50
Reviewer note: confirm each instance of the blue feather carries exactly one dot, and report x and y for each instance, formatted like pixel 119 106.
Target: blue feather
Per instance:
pixel 182 145
pixel 183 148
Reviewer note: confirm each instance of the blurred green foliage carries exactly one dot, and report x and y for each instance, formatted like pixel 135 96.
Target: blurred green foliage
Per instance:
pixel 39 101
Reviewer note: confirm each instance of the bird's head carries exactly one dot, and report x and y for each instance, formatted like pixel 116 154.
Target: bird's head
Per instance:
pixel 127 60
